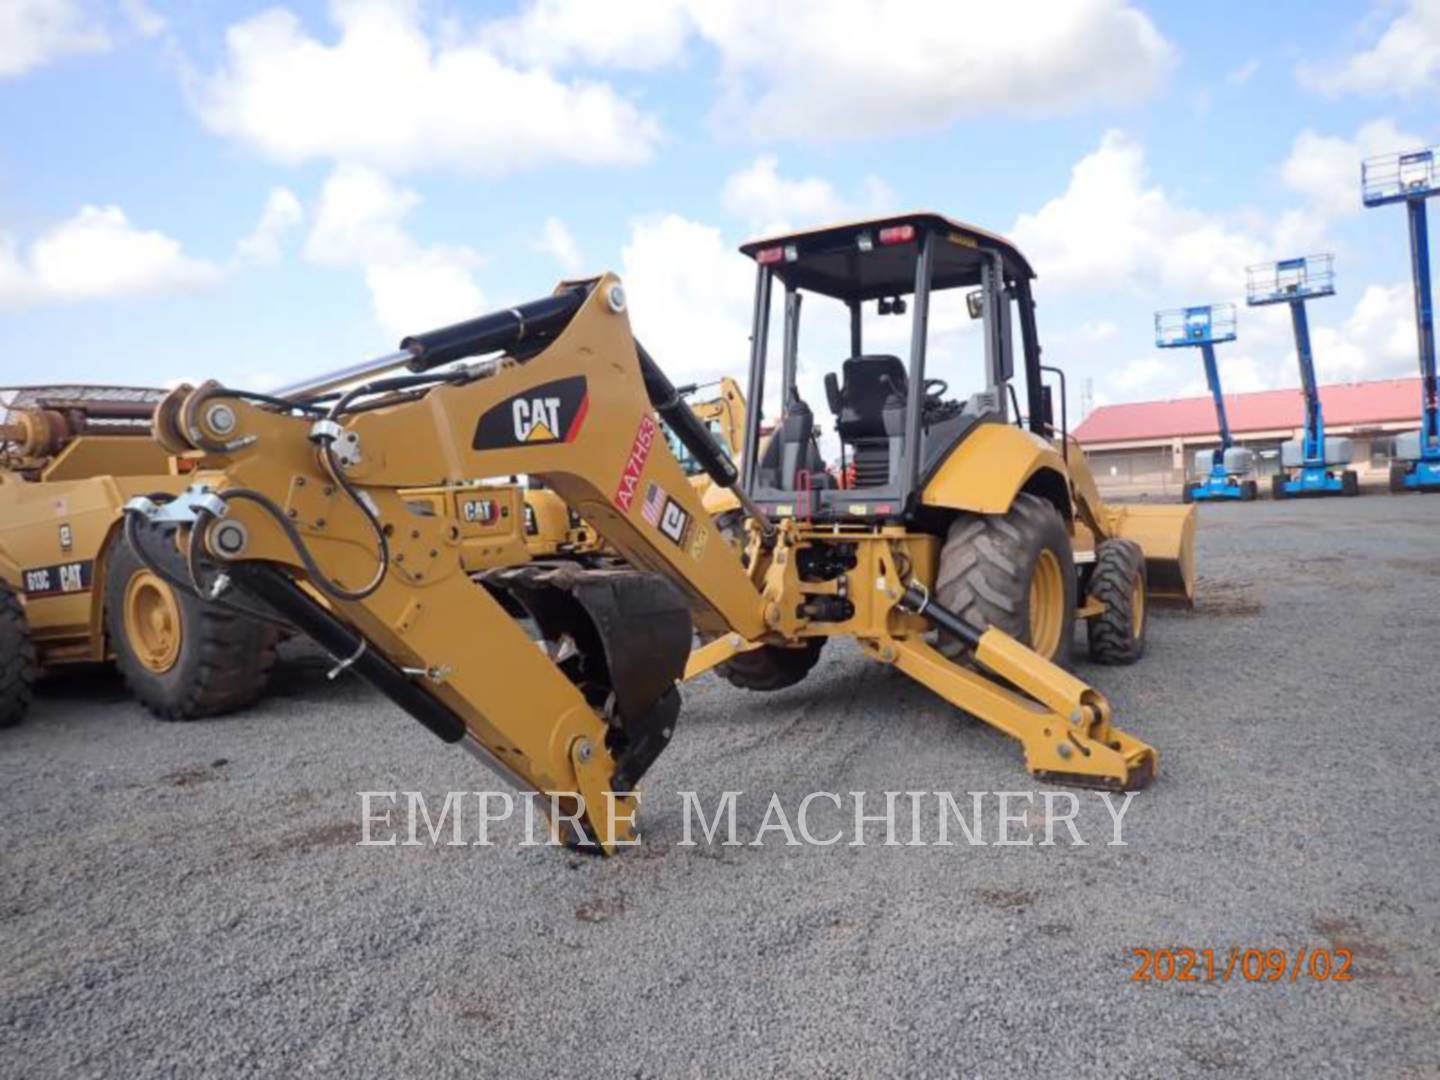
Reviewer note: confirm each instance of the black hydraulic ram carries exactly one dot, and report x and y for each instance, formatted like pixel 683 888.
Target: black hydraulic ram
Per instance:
pixel 525 324
pixel 269 585
pixel 917 601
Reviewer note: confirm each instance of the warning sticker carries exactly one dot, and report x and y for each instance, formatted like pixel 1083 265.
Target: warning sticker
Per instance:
pixel 697 546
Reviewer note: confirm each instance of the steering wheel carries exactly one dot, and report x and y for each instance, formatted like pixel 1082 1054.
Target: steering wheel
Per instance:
pixel 935 389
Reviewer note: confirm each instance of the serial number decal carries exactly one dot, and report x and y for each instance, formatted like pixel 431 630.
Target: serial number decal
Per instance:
pixel 635 462
pixel 1242 965
pixel 70 577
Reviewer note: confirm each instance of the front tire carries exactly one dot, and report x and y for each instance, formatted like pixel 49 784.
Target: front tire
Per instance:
pixel 18 663
pixel 1349 483
pixel 1248 490
pixel 182 658
pixel 1117 636
pixel 1277 487
pixel 1398 472
pixel 771 667
pixel 1014 571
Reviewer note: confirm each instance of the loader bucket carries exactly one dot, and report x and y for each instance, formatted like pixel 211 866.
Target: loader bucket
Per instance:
pixel 1167 536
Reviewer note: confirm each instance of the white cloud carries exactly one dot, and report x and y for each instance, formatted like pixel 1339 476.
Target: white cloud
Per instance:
pixel 690 295
pixel 96 254
pixel 386 94
pixel 1241 75
pixel 1404 60
pixel 423 291
pixel 358 219
pixel 1326 168
pixel 35 32
pixel 1376 341
pixel 1113 228
pixel 143 19
pixel 282 214
pixel 359 223
pixel 770 203
pixel 1098 330
pixel 640 36
pixel 826 69
pixel 557 242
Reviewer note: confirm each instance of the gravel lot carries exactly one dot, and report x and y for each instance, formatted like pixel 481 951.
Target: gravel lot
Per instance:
pixel 179 899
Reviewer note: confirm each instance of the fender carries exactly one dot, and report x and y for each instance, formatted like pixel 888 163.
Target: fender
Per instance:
pixel 985 472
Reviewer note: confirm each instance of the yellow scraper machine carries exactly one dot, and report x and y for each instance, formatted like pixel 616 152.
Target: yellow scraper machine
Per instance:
pixel 958 540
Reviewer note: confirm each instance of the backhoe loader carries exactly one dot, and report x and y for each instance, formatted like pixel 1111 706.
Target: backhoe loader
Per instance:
pixel 959 551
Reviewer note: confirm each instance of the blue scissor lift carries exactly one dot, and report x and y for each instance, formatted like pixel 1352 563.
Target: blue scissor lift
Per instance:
pixel 1411 178
pixel 1309 465
pixel 1222 471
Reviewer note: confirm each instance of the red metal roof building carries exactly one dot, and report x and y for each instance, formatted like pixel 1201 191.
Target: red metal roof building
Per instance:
pixel 1146 445
pixel 1367 405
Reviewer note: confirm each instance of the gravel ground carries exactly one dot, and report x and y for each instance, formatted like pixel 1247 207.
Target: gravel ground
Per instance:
pixel 185 899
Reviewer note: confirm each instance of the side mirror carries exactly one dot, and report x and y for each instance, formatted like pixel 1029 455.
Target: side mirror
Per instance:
pixel 975 303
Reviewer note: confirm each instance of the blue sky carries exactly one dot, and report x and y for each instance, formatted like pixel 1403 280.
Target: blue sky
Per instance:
pixel 252 192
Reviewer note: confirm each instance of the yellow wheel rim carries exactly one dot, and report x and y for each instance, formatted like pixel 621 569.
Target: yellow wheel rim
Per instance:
pixel 152 621
pixel 1047 604
pixel 1137 607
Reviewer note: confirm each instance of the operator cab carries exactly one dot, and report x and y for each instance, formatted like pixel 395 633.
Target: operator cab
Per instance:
pixel 893 424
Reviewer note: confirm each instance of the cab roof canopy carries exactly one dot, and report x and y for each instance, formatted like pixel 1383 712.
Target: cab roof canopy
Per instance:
pixel 866 260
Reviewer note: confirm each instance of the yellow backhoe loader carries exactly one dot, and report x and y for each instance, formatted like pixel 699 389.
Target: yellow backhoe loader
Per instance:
pixel 960 547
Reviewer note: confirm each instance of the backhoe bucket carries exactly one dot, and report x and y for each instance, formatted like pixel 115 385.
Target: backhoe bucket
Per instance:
pixel 1167 536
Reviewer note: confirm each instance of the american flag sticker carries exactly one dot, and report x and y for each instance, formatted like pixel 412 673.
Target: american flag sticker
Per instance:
pixel 654 503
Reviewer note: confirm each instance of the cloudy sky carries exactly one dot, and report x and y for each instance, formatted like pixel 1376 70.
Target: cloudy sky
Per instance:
pixel 221 189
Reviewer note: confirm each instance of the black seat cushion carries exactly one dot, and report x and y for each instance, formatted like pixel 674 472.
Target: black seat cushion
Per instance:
pixel 873 385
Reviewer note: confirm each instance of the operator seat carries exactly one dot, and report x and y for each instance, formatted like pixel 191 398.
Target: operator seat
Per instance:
pixel 870 415
pixel 791 451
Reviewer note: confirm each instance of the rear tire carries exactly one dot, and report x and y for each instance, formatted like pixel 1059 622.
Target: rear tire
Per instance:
pixel 991 567
pixel 1118 581
pixel 1349 483
pixel 1248 490
pixel 18 663
pixel 771 667
pixel 1277 487
pixel 1398 472
pixel 1187 493
pixel 189 658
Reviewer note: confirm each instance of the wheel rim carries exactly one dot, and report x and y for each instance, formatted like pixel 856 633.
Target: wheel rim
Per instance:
pixel 1047 604
pixel 152 622
pixel 1137 607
